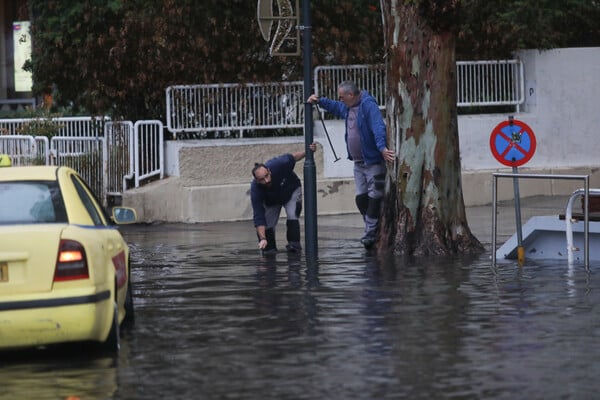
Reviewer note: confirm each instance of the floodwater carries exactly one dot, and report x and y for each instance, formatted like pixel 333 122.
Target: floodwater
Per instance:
pixel 216 320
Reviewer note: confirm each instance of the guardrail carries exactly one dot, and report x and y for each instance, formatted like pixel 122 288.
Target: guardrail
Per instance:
pixel 56 126
pixel 490 83
pixel 368 77
pixel 231 109
pixel 110 156
pixel 516 176
pixel 25 149
pixel 479 83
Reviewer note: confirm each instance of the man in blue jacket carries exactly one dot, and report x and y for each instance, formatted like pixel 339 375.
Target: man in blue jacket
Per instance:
pixel 276 185
pixel 366 145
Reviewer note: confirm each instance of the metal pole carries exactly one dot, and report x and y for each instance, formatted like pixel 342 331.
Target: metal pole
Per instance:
pixel 494 219
pixel 520 249
pixel 310 175
pixel 586 223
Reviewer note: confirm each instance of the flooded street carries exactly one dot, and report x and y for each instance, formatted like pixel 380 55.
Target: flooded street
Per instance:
pixel 216 320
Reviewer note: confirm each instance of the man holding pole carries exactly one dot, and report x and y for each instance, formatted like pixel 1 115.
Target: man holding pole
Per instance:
pixel 367 148
pixel 276 185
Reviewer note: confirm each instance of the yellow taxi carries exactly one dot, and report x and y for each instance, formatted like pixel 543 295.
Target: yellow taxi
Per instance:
pixel 64 265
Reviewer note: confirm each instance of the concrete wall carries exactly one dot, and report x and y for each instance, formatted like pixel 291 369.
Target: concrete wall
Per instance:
pixel 209 180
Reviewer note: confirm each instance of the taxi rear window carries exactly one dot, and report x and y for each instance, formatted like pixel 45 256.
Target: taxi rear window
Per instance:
pixel 31 202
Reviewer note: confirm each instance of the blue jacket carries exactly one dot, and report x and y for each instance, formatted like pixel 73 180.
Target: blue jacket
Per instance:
pixel 284 182
pixel 370 123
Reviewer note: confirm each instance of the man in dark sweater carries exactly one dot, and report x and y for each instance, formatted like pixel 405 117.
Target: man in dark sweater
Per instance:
pixel 276 185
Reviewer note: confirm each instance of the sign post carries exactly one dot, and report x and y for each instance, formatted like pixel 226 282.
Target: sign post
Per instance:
pixel 513 144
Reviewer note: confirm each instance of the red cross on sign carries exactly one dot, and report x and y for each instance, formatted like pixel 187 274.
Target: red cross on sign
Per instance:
pixel 512 143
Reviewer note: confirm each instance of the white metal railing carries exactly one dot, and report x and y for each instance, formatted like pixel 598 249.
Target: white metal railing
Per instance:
pixel 119 156
pixel 86 155
pixel 25 149
pixel 231 107
pixel 228 110
pixel 371 78
pixel 57 126
pixel 148 150
pixel 122 153
pixel 479 83
pixel 490 83
pixel 585 193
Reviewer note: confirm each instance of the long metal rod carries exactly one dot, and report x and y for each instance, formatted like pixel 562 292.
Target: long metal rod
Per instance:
pixel 327 134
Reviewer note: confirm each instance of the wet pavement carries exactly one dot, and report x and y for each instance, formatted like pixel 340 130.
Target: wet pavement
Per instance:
pixel 216 320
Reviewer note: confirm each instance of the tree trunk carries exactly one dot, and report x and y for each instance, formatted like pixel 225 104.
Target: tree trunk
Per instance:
pixel 424 211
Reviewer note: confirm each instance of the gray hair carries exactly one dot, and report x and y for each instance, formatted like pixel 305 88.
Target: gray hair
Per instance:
pixel 349 87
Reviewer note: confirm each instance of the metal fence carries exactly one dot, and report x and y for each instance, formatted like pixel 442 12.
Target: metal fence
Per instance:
pixel 119 156
pixel 230 110
pixel 490 83
pixel 368 77
pixel 479 83
pixel 56 126
pixel 86 155
pixel 148 150
pixel 25 149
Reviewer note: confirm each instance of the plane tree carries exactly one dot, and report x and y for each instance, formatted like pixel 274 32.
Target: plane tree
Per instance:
pixel 423 212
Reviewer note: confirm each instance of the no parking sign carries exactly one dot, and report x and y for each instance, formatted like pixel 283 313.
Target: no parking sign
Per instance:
pixel 512 142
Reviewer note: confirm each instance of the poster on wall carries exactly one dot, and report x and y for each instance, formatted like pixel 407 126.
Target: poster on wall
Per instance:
pixel 22 53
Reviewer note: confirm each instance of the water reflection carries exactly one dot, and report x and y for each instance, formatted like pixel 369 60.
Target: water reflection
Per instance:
pixel 218 320
pixel 58 373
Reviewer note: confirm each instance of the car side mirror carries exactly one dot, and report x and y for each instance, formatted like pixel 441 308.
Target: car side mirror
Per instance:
pixel 124 215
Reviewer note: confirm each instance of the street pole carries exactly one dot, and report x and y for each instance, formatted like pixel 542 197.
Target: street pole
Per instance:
pixel 310 175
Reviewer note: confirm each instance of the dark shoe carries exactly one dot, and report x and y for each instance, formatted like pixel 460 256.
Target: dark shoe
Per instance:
pixel 368 242
pixel 293 247
pixel 269 251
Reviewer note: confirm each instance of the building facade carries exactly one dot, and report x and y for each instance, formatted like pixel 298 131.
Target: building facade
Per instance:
pixel 15 50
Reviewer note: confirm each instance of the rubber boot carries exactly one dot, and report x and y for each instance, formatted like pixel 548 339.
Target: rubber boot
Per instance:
pixel 271 243
pixel 362 203
pixel 371 222
pixel 293 236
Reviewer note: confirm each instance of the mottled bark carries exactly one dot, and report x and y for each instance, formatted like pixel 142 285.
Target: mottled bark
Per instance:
pixel 424 212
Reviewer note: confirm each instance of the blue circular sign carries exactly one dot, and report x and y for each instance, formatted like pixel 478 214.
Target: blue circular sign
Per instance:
pixel 512 143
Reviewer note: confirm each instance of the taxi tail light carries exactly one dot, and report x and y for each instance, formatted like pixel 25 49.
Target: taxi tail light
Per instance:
pixel 71 263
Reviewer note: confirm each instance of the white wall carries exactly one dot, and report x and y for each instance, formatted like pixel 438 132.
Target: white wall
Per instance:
pixel 561 107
